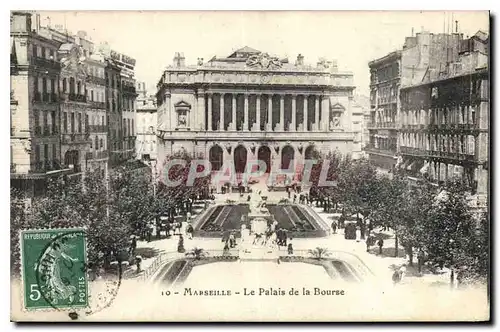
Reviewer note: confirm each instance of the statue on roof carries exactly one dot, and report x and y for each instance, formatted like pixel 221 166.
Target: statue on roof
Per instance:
pixel 263 60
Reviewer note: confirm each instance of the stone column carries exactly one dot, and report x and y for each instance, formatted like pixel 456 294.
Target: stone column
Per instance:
pixel 270 113
pixel 233 108
pixel 293 126
pixel 282 112
pixel 221 117
pixel 209 120
pixel 245 119
pixel 200 112
pixel 325 118
pixel 257 112
pixel 305 113
pixel 316 113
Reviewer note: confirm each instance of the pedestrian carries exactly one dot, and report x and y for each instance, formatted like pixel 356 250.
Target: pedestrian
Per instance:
pixel 368 243
pixel 380 244
pixel 284 237
pixel 150 231
pixel 396 277
pixel 225 252
pixel 294 198
pixel 249 198
pixel 402 272
pixel 334 227
pixel 133 246
pixel 189 231
pixel 232 240
pixel 421 259
pixel 290 247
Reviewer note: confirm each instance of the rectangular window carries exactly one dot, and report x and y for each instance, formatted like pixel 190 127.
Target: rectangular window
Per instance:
pixel 45 122
pixel 79 117
pixel 43 53
pixel 46 152
pixel 44 85
pixel 37 154
pixel 51 55
pixel 35 85
pixel 35 51
pixel 72 122
pixel 53 86
pixel 86 123
pixel 54 152
pixel 53 121
pixel 65 122
pixel 92 95
pixel 37 122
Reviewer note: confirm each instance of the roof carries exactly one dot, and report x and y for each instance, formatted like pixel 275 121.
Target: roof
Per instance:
pixel 481 35
pixel 245 49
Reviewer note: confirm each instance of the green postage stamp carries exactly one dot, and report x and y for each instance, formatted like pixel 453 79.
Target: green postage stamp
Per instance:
pixel 54 268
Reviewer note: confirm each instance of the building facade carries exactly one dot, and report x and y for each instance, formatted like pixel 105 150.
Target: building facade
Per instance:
pixel 420 54
pixel 120 98
pixel 360 112
pixel 146 119
pixel 60 104
pixel 97 157
pixel 35 110
pixel 251 106
pixel 445 121
pixel 385 75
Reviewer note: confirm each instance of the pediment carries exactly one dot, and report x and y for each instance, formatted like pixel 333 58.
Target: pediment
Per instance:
pixel 182 104
pixel 337 107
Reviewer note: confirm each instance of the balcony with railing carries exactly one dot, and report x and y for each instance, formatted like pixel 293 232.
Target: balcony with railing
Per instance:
pixel 129 89
pixel 97 104
pixel 45 63
pixel 370 148
pixel 96 80
pixel 452 126
pixel 97 128
pixel 77 98
pixel 75 138
pixel 412 151
pixel 382 125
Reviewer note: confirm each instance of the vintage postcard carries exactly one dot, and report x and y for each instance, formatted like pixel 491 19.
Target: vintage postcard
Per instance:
pixel 262 166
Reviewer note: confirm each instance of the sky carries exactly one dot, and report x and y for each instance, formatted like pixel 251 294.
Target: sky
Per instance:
pixel 351 38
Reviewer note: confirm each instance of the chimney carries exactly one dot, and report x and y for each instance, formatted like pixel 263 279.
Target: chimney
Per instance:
pixel 456 26
pixel 412 31
pixel 334 66
pixel 300 60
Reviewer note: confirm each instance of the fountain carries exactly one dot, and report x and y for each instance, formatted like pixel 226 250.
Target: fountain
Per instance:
pixel 254 244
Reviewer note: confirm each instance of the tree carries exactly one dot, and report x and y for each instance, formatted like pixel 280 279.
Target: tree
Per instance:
pixel 197 253
pixel 319 253
pixel 392 205
pixel 451 234
pixel 359 188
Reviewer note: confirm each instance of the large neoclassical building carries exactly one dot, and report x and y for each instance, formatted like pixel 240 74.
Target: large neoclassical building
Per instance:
pixel 250 105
